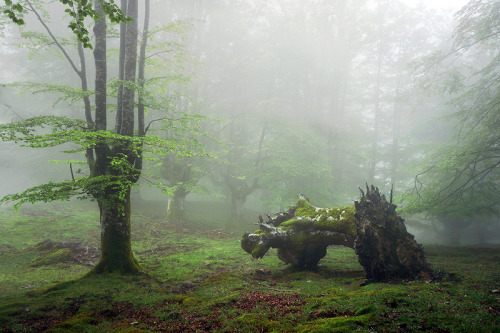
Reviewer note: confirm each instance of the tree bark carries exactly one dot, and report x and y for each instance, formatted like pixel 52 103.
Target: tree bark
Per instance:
pixel 101 70
pixel 238 198
pixel 128 107
pixel 116 244
pixel 121 70
pixel 142 65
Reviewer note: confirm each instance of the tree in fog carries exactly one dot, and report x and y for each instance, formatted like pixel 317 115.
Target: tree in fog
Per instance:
pixel 459 180
pixel 114 156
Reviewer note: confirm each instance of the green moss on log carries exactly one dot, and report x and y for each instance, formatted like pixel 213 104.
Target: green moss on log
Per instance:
pixel 305 233
pixel 304 208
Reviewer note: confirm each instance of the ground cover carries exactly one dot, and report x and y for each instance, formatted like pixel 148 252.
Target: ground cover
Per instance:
pixel 200 280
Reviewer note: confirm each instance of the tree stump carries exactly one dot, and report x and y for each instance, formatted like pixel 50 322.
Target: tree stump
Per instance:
pixel 384 247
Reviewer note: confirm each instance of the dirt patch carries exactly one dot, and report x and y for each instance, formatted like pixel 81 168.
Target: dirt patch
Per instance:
pixel 6 248
pixel 279 304
pixel 68 252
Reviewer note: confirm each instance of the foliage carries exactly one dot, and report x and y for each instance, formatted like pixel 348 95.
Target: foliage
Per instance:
pixel 65 130
pixel 462 176
pixel 78 10
pixel 67 94
pixel 80 136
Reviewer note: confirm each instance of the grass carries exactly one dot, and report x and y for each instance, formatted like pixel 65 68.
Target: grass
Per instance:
pixel 201 281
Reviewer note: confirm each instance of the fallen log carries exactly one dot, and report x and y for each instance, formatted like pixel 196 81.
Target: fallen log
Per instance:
pixel 371 227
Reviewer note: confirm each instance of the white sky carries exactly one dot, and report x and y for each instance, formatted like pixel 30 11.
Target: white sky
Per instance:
pixel 446 4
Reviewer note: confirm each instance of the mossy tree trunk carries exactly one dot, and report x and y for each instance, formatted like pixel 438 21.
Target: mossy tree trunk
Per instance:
pixel 238 186
pixel 372 227
pixel 116 243
pixel 302 234
pixel 114 199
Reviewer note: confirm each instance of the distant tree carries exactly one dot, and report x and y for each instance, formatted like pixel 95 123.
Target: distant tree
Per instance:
pixel 461 178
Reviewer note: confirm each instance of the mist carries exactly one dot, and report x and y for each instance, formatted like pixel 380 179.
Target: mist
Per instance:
pixel 313 97
pixel 249 166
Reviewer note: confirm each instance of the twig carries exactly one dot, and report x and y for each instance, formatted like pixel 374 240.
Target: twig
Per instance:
pixel 71 169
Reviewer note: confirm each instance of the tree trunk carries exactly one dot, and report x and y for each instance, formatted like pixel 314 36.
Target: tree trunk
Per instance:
pixel 116 246
pixel 121 70
pixel 128 102
pixel 302 234
pixel 114 203
pixel 372 227
pixel 238 199
pixel 175 210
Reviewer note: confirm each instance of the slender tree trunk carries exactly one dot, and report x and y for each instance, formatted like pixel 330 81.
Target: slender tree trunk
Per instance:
pixel 142 65
pixel 121 70
pixel 101 74
pixel 127 127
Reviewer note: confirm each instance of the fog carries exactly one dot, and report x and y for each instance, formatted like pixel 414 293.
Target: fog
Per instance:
pixel 316 97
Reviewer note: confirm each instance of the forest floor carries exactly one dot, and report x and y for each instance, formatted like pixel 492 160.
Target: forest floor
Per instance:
pixel 201 281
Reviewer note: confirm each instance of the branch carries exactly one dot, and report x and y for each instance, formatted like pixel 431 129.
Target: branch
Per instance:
pixel 147 127
pixel 159 52
pixel 54 38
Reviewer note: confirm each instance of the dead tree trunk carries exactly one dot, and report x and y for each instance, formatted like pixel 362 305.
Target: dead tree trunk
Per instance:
pixel 372 227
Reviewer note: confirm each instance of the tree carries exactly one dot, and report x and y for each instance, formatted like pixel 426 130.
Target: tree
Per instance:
pixel 114 158
pixel 460 179
pixel 78 10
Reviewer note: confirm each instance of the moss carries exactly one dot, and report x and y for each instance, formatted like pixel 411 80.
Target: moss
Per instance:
pixel 78 323
pixel 191 301
pixel 45 246
pixel 297 224
pixel 300 240
pixel 337 324
pixel 338 220
pixel 329 219
pixel 221 278
pixel 365 310
pixel 61 255
pixel 253 322
pixel 304 208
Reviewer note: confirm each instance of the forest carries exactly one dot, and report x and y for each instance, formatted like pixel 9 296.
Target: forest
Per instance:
pixel 250 166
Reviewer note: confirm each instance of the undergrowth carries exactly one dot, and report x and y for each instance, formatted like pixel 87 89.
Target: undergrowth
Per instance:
pixel 201 281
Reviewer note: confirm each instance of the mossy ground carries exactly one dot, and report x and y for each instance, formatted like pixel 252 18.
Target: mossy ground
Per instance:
pixel 200 280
